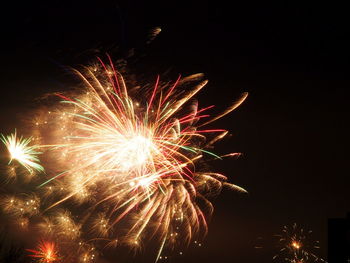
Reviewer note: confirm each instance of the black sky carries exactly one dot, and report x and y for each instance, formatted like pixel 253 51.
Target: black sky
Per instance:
pixel 293 59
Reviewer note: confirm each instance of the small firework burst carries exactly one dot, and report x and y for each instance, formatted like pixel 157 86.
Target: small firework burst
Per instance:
pixel 21 151
pixel 296 246
pixel 46 252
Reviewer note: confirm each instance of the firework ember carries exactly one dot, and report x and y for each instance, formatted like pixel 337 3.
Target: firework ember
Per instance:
pixel 132 156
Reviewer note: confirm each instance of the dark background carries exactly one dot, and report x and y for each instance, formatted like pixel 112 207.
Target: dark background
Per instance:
pixel 293 59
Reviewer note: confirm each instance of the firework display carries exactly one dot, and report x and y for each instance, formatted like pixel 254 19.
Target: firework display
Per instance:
pixel 123 164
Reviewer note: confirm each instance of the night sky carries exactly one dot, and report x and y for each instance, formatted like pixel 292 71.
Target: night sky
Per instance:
pixel 293 59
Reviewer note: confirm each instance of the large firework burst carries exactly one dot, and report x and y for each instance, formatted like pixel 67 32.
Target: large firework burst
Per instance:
pixel 130 157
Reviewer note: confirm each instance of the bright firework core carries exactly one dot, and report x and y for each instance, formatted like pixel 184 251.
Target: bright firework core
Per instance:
pixel 135 151
pixel 296 245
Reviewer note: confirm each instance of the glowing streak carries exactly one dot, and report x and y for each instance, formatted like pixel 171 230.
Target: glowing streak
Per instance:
pixel 233 107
